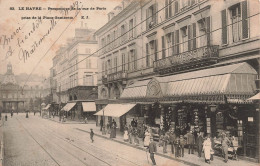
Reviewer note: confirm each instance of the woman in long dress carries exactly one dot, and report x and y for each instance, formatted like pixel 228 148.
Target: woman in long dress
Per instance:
pixel 126 137
pixel 207 149
pixel 147 137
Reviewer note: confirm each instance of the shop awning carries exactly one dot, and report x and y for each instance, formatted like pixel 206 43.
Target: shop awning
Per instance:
pixel 47 107
pixel 232 83
pixel 255 97
pixel 136 90
pixel 89 106
pixel 68 106
pixel 115 110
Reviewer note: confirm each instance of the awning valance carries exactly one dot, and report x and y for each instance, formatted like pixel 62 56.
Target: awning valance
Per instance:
pixel 115 110
pixel 231 83
pixel 89 106
pixel 47 107
pixel 68 106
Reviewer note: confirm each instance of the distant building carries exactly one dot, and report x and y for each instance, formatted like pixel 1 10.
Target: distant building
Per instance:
pixel 20 96
pixel 74 70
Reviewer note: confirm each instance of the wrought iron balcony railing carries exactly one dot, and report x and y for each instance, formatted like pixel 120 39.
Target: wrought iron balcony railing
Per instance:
pixel 120 75
pixel 190 59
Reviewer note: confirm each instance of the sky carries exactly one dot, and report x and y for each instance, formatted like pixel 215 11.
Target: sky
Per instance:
pixel 30 43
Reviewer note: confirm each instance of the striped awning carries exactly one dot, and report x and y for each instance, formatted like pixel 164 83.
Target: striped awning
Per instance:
pixel 115 110
pixel 68 106
pixel 89 106
pixel 232 83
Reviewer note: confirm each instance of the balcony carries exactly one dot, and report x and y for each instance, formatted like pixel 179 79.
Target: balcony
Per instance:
pixel 191 59
pixel 118 76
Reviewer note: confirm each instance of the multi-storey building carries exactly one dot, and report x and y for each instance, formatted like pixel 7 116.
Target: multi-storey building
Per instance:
pixel 75 70
pixel 22 96
pixel 190 64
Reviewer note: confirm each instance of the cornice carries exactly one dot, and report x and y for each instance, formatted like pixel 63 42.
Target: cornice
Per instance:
pixel 201 10
pixel 184 18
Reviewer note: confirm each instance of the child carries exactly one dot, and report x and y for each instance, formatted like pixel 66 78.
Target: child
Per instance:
pixel 91 135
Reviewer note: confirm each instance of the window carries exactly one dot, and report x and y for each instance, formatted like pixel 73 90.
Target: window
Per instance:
pixel 108 41
pixel 123 62
pixel 151 16
pixel 151 52
pixel 236 25
pixel 131 30
pixel 202 32
pixel 115 65
pixel 133 60
pixel 168 8
pixel 109 66
pixel 123 33
pixel 163 48
pixel 89 81
pixel 238 19
pixel 103 68
pixel 184 41
pixel 88 63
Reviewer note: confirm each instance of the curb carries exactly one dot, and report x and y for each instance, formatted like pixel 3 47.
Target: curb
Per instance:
pixel 67 123
pixel 140 148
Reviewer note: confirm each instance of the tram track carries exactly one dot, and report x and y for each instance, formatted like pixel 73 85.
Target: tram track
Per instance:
pixel 48 131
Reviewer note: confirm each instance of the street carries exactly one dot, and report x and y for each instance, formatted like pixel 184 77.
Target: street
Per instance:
pixel 37 141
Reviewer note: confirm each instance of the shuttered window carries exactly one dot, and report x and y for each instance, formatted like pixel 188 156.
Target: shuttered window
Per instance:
pixel 177 40
pixel 166 9
pixel 155 50
pixel 194 36
pixel 224 26
pixel 170 8
pixel 173 39
pixel 176 7
pixel 189 37
pixel 208 30
pixel 244 20
pixel 163 48
pixel 147 55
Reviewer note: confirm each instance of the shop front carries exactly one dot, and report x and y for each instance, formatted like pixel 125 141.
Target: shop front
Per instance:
pixel 212 101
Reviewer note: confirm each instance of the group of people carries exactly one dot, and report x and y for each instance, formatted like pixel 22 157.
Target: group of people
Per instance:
pixel 131 134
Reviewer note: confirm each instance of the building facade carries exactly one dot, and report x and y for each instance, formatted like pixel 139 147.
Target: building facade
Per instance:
pixel 190 64
pixel 16 96
pixel 74 70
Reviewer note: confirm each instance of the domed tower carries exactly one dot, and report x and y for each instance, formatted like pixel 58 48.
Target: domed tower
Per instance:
pixel 9 75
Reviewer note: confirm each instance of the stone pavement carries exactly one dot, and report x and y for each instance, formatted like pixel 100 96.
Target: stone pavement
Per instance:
pixel 189 159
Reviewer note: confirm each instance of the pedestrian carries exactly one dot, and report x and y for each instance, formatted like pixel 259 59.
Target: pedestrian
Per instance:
pixel 212 148
pixel 225 144
pixel 234 141
pixel 5 117
pixel 91 135
pixel 207 149
pixel 190 141
pixel 152 150
pixel 172 138
pixel 130 133
pixel 86 119
pixel 12 113
pixel 165 142
pixel 135 134
pixel 147 136
pixel 177 147
pixel 182 144
pixel 199 144
pixel 113 129
pixel 126 137
pixel 101 124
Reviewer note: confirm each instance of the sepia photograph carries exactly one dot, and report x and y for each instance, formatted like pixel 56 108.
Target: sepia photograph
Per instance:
pixel 129 82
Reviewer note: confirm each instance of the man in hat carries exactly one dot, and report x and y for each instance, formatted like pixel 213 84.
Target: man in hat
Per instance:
pixel 225 144
pixel 152 149
pixel 91 135
pixel 190 141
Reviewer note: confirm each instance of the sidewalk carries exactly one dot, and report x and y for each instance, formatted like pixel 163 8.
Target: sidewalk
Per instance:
pixel 189 159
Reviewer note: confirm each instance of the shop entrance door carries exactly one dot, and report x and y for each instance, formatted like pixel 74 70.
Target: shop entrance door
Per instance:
pixel 250 137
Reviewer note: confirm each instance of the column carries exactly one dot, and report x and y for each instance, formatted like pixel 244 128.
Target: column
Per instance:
pixel 257 111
